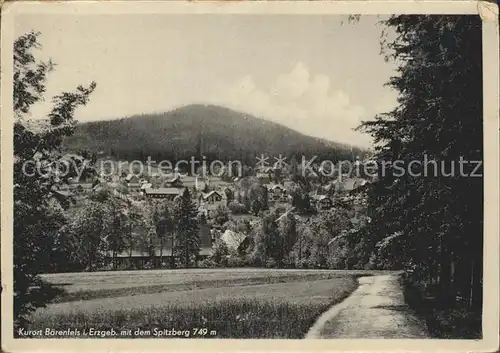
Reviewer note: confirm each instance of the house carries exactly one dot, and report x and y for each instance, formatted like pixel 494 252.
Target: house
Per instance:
pixel 232 239
pixel 263 177
pixel 132 179
pixel 133 182
pixel 99 184
pixel 146 186
pixel 212 197
pixel 285 214
pixel 202 210
pixel 81 188
pixel 165 170
pixel 163 193
pixel 98 181
pixel 322 202
pixel 201 183
pixel 176 182
pixel 351 185
pixel 277 191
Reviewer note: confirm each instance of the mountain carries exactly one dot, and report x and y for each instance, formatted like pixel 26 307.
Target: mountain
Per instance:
pixel 194 130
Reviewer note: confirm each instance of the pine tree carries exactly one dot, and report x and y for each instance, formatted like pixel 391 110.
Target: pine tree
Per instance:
pixel 187 242
pixel 134 218
pixel 116 218
pixel 161 223
pixel 288 233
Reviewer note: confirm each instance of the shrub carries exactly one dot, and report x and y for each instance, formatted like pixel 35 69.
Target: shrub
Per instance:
pixel 302 263
pixel 235 261
pixel 220 215
pixel 207 263
pixel 220 252
pixel 237 208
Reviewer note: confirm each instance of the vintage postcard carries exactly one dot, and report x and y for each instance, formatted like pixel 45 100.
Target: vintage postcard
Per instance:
pixel 250 176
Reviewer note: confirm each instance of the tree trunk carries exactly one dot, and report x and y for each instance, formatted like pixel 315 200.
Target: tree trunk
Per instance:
pixel 300 248
pixel 130 244
pixel 161 251
pixel 477 285
pixel 445 294
pixel 172 255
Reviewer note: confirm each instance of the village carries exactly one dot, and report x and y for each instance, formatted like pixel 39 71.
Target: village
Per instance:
pixel 240 200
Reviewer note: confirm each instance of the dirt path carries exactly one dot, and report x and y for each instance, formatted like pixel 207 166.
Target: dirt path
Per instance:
pixel 375 310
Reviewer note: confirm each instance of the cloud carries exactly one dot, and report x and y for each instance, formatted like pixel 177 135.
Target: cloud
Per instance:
pixel 293 85
pixel 300 100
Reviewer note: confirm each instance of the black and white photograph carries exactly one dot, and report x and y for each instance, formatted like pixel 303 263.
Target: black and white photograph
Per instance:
pixel 224 171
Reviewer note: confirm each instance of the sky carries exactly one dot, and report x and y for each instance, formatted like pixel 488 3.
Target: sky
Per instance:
pixel 317 74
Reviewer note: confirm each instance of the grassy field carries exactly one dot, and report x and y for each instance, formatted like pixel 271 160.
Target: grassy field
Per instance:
pixel 120 290
pixel 84 286
pixel 227 303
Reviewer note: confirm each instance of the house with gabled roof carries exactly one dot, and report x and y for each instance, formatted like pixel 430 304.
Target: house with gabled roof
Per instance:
pixel 163 193
pixel 232 239
pixel 212 197
pixel 322 202
pixel 133 182
pixel 276 191
pixel 132 178
pixel 175 182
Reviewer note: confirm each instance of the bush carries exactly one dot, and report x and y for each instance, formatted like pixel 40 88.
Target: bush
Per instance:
pixel 235 261
pixel 302 263
pixel 450 323
pixel 207 263
pixel 220 215
pixel 256 206
pixel 220 251
pixel 237 208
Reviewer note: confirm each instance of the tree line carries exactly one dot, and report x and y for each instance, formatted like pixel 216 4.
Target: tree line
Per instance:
pixel 432 226
pixel 105 227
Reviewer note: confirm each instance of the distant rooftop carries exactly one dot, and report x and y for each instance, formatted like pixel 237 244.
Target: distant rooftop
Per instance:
pixel 204 251
pixel 164 191
pixel 213 192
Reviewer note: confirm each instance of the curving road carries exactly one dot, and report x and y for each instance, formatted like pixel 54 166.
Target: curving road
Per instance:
pixel 375 310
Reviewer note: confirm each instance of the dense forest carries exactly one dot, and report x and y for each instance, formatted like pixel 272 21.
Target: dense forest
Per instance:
pixel 432 225
pixel 195 130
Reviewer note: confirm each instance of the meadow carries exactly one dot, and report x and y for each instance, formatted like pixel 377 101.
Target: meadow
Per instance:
pixel 225 303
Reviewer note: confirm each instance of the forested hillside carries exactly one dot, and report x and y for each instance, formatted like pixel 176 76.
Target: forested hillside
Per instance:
pixel 214 131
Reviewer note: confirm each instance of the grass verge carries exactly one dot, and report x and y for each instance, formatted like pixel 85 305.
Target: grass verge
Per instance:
pixel 287 314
